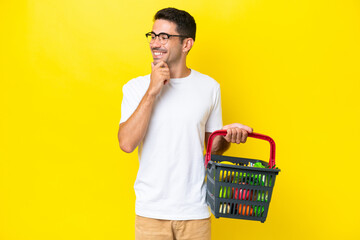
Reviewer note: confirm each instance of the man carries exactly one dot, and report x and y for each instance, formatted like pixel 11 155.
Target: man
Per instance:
pixel 168 114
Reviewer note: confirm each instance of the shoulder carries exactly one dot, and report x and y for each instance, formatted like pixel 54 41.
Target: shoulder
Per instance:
pixel 139 83
pixel 205 80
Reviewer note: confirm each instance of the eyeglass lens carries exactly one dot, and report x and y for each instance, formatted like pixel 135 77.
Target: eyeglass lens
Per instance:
pixel 162 37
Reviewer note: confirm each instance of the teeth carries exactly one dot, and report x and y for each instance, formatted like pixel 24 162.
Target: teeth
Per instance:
pixel 158 53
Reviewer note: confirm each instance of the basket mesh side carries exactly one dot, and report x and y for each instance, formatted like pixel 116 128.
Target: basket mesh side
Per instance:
pixel 236 191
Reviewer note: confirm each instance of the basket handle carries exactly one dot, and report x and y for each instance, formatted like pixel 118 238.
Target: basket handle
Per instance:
pixel 253 135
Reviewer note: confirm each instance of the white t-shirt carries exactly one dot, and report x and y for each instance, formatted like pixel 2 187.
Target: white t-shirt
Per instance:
pixel 170 181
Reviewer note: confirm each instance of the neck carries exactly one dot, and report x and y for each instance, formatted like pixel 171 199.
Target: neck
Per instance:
pixel 179 71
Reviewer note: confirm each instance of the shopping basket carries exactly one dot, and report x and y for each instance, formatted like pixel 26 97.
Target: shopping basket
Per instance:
pixel 243 189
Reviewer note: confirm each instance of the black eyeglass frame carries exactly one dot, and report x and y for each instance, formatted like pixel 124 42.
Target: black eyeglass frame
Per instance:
pixel 162 33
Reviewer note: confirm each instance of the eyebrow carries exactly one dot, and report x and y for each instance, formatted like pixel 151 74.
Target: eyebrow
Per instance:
pixel 161 33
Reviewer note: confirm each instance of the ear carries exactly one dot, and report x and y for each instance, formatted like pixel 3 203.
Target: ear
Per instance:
pixel 187 44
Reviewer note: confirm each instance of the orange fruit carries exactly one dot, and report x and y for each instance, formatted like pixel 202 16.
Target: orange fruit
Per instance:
pixel 246 210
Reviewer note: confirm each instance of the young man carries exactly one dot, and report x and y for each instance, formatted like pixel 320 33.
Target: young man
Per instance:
pixel 168 115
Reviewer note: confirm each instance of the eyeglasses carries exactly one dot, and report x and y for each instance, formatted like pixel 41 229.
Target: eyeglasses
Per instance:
pixel 163 37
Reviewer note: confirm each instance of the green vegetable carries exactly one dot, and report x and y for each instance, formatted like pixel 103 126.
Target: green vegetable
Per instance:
pixel 259 211
pixel 226 193
pixel 262 197
pixel 258 165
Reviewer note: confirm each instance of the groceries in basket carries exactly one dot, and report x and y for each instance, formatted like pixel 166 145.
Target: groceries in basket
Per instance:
pixel 240 188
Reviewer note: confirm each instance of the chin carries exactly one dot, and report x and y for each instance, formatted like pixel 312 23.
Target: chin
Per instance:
pixel 156 61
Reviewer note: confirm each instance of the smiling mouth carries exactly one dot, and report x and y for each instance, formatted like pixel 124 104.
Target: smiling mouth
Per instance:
pixel 158 54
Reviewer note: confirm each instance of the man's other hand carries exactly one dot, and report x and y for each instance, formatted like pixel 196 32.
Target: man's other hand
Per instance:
pixel 237 133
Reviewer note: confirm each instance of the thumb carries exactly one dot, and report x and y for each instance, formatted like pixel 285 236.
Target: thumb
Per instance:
pixel 152 65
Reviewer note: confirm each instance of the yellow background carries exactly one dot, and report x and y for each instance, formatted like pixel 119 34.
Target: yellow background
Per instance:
pixel 289 69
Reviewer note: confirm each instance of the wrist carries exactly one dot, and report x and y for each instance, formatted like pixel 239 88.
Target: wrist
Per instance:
pixel 150 94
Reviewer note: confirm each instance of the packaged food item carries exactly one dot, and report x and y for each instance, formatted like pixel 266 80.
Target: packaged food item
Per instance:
pixel 224 208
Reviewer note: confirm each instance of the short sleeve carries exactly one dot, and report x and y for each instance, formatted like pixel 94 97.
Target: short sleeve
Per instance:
pixel 126 106
pixel 214 121
pixel 133 92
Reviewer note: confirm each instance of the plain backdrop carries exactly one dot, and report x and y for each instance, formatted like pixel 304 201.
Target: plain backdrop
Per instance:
pixel 289 69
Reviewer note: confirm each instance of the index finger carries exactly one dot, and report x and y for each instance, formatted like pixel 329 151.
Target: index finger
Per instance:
pixel 162 64
pixel 248 129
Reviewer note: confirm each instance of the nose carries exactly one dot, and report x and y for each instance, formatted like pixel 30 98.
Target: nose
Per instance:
pixel 156 42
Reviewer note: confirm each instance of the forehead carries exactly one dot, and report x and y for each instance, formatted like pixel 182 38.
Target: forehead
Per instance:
pixel 165 26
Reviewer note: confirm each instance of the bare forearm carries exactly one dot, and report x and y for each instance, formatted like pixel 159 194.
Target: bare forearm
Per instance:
pixel 220 145
pixel 132 131
pixel 236 133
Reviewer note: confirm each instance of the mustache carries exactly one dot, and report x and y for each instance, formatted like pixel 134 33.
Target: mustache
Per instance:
pixel 159 49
